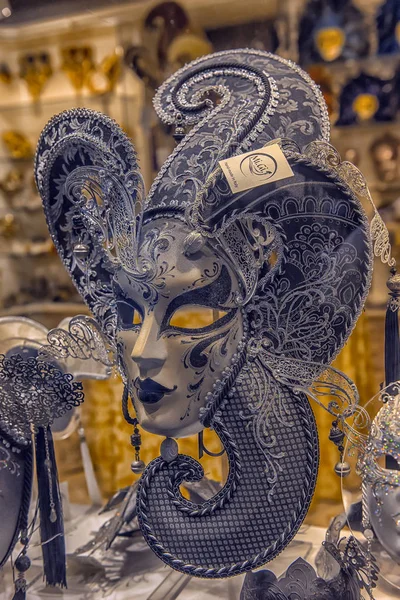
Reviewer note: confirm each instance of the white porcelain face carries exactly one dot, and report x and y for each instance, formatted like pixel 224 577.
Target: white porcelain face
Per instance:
pixel 178 328
pixel 385 519
pixel 382 484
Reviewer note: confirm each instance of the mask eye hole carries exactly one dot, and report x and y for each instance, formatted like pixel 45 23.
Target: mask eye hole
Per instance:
pixel 391 462
pixel 137 318
pixel 128 315
pixel 195 317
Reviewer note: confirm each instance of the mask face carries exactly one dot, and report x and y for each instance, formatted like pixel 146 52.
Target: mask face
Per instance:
pixel 382 485
pixel 385 518
pixel 178 327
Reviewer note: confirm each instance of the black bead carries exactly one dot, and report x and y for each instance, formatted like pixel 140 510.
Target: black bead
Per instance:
pixel 136 439
pixel 336 436
pixel 178 136
pixel 22 563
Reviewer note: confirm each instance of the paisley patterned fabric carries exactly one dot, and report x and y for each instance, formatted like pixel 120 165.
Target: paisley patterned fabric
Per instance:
pixel 93 151
pixel 261 97
pixel 301 250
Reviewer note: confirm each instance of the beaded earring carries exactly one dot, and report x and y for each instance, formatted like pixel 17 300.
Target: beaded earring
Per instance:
pixel 137 465
pixel 336 435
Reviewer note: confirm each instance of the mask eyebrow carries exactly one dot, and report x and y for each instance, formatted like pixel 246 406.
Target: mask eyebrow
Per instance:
pixel 120 295
pixel 118 291
pixel 213 295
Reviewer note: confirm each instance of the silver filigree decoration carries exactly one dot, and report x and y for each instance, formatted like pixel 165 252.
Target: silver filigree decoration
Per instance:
pixel 268 400
pixel 113 207
pixel 83 340
pixel 327 156
pixel 33 393
pixel 333 390
pixel 247 241
pixel 7 460
pixel 383 440
pixel 327 386
pixel 153 273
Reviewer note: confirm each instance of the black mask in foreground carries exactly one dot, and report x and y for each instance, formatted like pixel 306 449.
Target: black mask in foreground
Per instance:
pixel 279 274
pixel 34 391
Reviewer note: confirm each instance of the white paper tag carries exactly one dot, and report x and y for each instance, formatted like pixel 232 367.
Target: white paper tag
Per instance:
pixel 255 168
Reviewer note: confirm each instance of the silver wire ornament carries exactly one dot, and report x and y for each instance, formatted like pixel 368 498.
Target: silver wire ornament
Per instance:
pixel 33 393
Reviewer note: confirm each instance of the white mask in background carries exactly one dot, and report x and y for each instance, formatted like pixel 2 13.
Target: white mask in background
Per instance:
pixel 381 498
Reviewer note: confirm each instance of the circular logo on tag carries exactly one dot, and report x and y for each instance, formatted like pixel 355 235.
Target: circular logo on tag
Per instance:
pixel 260 165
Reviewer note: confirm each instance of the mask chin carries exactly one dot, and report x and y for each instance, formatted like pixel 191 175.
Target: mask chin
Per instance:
pixel 161 418
pixel 382 519
pixel 158 426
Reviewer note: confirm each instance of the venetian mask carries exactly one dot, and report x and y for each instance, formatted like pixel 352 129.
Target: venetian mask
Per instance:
pixel 330 42
pixel 379 465
pixel 384 152
pixel 223 308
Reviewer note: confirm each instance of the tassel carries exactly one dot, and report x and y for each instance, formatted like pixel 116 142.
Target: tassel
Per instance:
pixel 20 589
pixel 23 561
pixel 50 507
pixel 392 340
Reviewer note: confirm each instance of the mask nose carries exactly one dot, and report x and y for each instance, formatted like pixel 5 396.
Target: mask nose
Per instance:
pixel 149 351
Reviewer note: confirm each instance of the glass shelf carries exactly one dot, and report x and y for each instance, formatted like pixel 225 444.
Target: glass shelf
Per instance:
pixel 365 127
pixel 388 61
pixel 15 162
pixel 68 102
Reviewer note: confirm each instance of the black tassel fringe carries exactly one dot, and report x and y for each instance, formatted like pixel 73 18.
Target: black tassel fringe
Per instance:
pixel 20 590
pixel 392 347
pixel 392 343
pixel 51 533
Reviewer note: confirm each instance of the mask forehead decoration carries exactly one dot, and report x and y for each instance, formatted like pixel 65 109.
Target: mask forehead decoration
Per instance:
pixel 284 267
pixel 384 439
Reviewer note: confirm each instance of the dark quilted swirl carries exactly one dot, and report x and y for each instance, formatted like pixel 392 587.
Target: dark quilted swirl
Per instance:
pixel 248 530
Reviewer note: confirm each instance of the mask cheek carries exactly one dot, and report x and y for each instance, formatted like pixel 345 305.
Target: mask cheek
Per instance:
pixel 218 356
